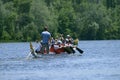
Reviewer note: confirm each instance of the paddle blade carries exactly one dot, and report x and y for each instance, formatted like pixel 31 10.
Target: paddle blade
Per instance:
pixel 81 51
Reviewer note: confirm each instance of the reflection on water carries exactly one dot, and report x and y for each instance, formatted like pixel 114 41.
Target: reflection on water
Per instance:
pixel 100 61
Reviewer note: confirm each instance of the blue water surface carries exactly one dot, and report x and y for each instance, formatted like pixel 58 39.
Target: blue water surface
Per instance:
pixel 100 61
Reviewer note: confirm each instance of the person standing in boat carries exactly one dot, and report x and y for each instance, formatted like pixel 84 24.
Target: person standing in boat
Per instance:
pixel 45 36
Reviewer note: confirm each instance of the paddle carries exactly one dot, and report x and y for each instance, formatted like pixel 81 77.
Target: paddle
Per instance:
pixel 28 55
pixel 81 51
pixel 76 43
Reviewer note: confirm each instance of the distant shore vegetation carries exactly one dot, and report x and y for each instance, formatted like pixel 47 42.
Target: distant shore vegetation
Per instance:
pixel 23 20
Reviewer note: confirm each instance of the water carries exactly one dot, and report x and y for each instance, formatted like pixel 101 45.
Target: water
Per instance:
pixel 100 61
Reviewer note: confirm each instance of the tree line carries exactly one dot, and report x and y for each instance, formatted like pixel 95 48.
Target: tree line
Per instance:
pixel 23 20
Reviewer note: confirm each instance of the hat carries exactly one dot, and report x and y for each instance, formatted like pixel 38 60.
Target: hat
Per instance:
pixel 68 35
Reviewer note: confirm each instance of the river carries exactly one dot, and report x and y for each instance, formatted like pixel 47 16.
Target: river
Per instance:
pixel 100 61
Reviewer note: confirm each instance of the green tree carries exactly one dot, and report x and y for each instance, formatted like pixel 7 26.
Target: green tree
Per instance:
pixel 23 20
pixel 30 32
pixel 23 10
pixel 93 21
pixel 1 18
pixel 66 18
pixel 42 16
